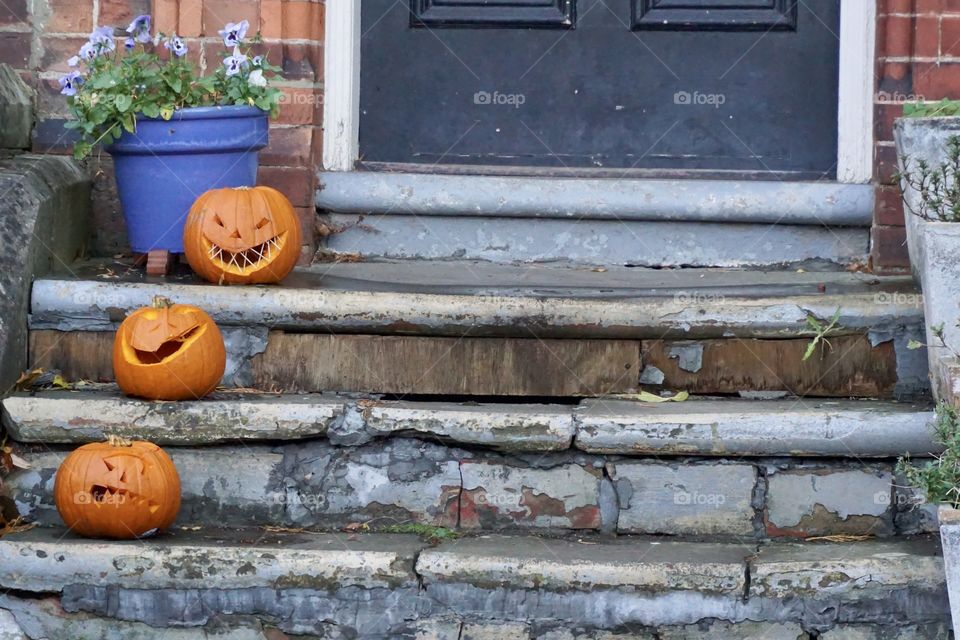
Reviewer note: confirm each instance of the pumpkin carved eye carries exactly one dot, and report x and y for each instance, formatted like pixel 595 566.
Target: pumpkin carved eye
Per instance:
pixel 261 244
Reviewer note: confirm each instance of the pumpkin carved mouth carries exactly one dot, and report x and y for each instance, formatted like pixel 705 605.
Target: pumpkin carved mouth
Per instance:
pixel 246 259
pixel 104 495
pixel 165 350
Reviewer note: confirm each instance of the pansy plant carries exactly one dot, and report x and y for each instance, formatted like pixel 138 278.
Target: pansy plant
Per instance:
pixel 108 87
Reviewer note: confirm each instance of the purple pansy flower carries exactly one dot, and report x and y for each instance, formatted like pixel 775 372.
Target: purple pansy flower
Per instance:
pixel 70 83
pixel 176 45
pixel 101 41
pixel 234 33
pixel 257 61
pixel 140 29
pixel 129 43
pixel 74 61
pixel 88 51
pixel 236 62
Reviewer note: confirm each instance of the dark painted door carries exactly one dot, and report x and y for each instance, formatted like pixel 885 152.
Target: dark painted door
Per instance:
pixel 678 86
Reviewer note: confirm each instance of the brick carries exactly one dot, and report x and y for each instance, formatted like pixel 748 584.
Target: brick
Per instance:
pixel 217 13
pixel 271 18
pixel 897 6
pixel 190 22
pixel 502 496
pixel 316 151
pixel 816 502
pixel 897 36
pixel 71 16
pixel 300 105
pixel 295 183
pixel 308 224
pixel 165 15
pixel 299 62
pixel 895 71
pixel 888 247
pixel 685 499
pixel 289 147
pixel 56 52
pixel 934 7
pixel 926 43
pixel 121 12
pixel 13 12
pixel 50 102
pixel 885 163
pixel 884 115
pixel 889 206
pixel 15 49
pixel 950 36
pixel 298 19
pixel 936 81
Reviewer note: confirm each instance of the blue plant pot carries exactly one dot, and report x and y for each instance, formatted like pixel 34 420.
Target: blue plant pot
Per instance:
pixel 167 164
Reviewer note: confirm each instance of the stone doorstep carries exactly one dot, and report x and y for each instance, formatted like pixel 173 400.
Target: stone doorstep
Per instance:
pixel 588 583
pixel 788 427
pixel 506 305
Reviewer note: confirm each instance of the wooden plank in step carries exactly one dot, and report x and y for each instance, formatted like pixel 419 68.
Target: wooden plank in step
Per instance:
pixel 449 366
pixel 851 367
pixel 79 355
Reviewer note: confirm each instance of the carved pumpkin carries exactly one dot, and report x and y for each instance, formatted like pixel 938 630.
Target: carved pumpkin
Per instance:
pixel 117 489
pixel 243 235
pixel 168 352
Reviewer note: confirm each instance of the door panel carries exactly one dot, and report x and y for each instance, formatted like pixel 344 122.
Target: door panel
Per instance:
pixel 492 13
pixel 745 15
pixel 691 98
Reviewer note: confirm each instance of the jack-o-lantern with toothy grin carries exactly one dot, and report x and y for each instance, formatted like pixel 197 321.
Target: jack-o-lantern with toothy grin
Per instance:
pixel 244 235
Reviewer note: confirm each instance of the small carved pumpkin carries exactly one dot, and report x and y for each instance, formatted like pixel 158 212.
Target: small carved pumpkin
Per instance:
pixel 117 489
pixel 243 235
pixel 168 352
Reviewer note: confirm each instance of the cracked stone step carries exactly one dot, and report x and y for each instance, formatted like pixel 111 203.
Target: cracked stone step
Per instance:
pixel 788 427
pixel 429 298
pixel 317 484
pixel 388 586
pixel 707 427
pixel 47 559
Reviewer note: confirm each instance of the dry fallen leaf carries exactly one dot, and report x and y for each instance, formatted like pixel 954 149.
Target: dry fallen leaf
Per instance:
pixel 16 525
pixel 646 396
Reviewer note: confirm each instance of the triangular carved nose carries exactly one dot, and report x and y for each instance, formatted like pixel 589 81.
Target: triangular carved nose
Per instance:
pixel 235 234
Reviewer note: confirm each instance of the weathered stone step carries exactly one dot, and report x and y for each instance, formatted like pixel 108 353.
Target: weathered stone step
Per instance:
pixel 474 329
pixel 703 467
pixel 252 583
pixel 444 298
pixel 701 427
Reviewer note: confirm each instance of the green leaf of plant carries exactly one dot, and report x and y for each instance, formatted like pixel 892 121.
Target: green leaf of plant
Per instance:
pixel 123 102
pixel 915 344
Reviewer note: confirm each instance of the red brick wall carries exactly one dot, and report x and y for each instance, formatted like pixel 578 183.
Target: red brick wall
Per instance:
pixel 918 57
pixel 37 37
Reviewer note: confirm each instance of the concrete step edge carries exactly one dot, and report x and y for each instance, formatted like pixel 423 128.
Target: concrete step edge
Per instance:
pixel 589 583
pixel 708 427
pixel 89 305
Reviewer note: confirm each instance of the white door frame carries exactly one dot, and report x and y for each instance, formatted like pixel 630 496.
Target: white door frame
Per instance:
pixel 341 107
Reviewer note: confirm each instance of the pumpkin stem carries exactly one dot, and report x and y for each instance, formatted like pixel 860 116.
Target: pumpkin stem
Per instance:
pixel 159 302
pixel 118 441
